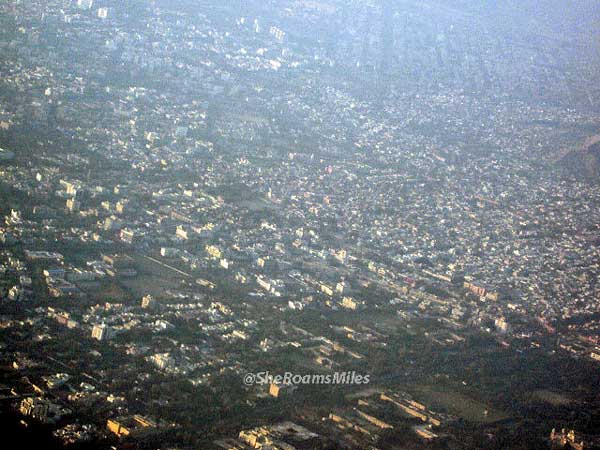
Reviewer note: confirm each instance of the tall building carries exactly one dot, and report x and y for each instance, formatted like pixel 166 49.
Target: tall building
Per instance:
pixel 148 302
pixel 72 205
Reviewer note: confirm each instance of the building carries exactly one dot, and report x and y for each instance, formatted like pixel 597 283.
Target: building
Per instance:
pixel 213 251
pixel 127 236
pixel 72 205
pixel 205 283
pixel 162 361
pixel 70 188
pixel 169 252
pixel 6 155
pixel 102 332
pixel 58 287
pixel 182 233
pixel 326 290
pixel 502 325
pixel 120 207
pixel 285 435
pixel 374 420
pixel 18 293
pixel 77 275
pixel 351 304
pixel 131 425
pixel 148 302
pixel 122 265
pixel 43 256
pixel 565 440
pixel 424 433
pixel 54 273
pixel 281 390
pixel 85 4
pixel 42 409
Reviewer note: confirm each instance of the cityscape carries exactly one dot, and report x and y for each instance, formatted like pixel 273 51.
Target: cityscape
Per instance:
pixel 300 224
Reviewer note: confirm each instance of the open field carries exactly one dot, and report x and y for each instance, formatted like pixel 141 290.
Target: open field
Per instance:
pixel 446 398
pixel 154 277
pixel 106 291
pixel 554 398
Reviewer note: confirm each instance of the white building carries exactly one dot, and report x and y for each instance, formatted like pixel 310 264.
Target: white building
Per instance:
pixel 85 4
pixel 102 332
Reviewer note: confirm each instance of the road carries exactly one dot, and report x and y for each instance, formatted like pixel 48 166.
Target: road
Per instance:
pixel 174 269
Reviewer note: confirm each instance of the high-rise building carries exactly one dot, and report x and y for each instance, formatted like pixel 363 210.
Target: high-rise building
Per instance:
pixel 148 302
